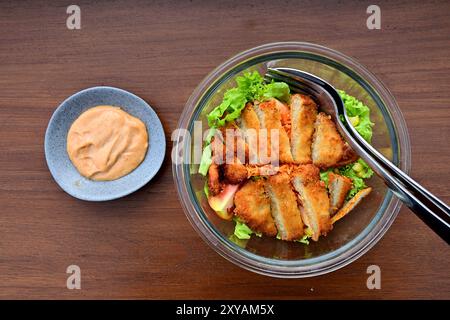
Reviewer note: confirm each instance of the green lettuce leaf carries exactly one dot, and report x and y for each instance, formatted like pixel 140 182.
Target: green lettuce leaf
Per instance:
pixel 206 160
pixel 359 115
pixel 251 84
pixel 233 102
pixel 357 171
pixel 239 242
pixel 242 231
pixel 250 87
pixel 278 90
pixel 324 176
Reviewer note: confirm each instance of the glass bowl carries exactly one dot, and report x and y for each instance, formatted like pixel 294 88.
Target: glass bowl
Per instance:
pixel 352 236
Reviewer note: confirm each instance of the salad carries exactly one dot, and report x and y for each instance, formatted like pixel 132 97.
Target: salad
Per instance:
pixel 277 166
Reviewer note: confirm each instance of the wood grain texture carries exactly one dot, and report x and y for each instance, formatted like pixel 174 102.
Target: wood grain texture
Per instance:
pixel 142 246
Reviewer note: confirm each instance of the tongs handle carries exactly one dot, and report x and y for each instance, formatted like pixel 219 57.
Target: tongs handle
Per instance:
pixel 430 209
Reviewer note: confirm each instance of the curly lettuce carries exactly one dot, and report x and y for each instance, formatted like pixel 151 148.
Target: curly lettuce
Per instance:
pixel 357 171
pixel 359 115
pixel 279 90
pixel 250 87
pixel 233 102
pixel 242 231
pixel 324 176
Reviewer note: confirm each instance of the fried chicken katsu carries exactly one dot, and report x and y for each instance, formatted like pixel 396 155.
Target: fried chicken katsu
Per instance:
pixel 277 178
pixel 339 186
pixel 250 125
pixel 328 146
pixel 253 207
pixel 270 119
pixel 284 207
pixel 303 116
pixel 314 201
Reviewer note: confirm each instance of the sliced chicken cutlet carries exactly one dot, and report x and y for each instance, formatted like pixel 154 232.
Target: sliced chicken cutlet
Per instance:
pixel 315 209
pixel 270 119
pixel 235 146
pixel 338 186
pixel 351 204
pixel 328 146
pixel 214 185
pixel 285 115
pixel 348 156
pixel 250 125
pixel 249 118
pixel 253 207
pixel 303 117
pixel 235 173
pixel 284 207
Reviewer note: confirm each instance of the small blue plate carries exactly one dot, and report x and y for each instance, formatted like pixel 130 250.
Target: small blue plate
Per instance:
pixel 62 169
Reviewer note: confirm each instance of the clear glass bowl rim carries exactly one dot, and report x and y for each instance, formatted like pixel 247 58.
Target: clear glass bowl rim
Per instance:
pixel 306 267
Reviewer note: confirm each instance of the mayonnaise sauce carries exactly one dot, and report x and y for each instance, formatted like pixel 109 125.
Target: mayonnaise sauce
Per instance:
pixel 106 143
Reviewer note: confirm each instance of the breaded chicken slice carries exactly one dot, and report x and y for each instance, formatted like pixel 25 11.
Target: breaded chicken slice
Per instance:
pixel 253 207
pixel 270 119
pixel 284 207
pixel 348 157
pixel 214 179
pixel 220 150
pixel 249 118
pixel 315 209
pixel 338 187
pixel 235 146
pixel 351 204
pixel 285 115
pixel 328 146
pixel 303 117
pixel 249 124
pixel 235 173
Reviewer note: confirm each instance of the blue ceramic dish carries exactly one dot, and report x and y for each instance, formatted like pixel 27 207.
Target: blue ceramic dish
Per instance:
pixel 62 169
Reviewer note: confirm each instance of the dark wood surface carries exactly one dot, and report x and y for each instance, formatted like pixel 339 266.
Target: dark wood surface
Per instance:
pixel 142 246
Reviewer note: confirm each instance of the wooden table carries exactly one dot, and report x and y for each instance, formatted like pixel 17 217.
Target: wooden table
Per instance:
pixel 142 246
